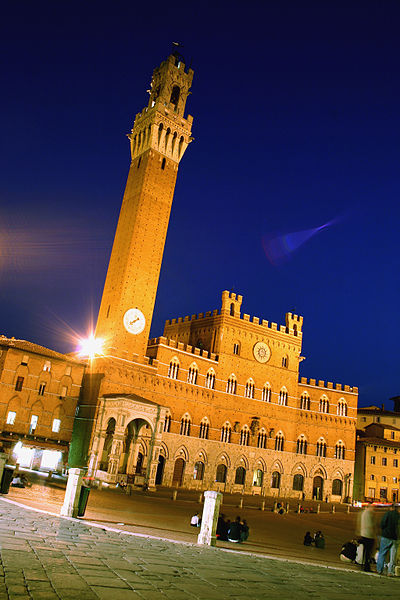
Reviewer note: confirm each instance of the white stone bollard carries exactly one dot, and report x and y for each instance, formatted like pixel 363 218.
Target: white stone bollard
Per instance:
pixel 72 493
pixel 212 502
pixel 287 507
pixel 262 505
pixel 240 505
pixel 333 509
pixel 318 508
pixel 201 498
pixel 174 495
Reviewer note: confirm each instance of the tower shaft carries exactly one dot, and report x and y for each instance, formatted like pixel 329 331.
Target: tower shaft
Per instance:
pixel 159 138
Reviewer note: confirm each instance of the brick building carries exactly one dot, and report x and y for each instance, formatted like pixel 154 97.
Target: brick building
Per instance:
pixel 377 472
pixel 216 401
pixel 39 391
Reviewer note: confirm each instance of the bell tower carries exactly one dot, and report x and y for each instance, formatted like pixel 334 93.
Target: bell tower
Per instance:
pixel 158 140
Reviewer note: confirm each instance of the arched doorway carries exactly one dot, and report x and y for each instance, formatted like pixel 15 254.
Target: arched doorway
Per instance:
pixel 179 468
pixel 160 469
pixel 318 488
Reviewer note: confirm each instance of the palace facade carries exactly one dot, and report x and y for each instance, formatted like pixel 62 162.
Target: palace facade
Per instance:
pixel 216 402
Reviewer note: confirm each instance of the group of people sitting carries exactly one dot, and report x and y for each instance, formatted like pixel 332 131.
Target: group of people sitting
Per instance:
pixel 317 539
pixel 236 531
pixel 20 480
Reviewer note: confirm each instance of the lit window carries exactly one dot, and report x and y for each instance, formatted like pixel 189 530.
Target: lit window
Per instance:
pixel 284 361
pixel 33 424
pixel 266 393
pixel 301 445
pixel 185 426
pixel 262 439
pixel 372 460
pixel 249 389
pixel 231 385
pixel 282 398
pixel 11 417
pixel 192 373
pixel 324 405
pixel 342 408
pixel 42 387
pixel 235 348
pixel 226 433
pixel 340 450
pixel 56 425
pixel 198 472
pixel 395 462
pixel 384 462
pixel 279 441
pixel 47 366
pixel 173 369
pixel 321 448
pixel 210 379
pixel 204 427
pixel 305 401
pixel 244 436
pixel 167 423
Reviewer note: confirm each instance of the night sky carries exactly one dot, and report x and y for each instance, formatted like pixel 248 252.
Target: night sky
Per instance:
pixel 289 194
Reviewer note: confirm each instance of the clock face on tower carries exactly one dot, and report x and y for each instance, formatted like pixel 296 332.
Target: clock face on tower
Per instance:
pixel 134 321
pixel 261 352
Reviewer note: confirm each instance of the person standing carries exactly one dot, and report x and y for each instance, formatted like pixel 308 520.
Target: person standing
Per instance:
pixel 367 534
pixel 389 540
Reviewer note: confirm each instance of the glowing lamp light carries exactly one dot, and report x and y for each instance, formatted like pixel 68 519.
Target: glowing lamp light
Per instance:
pixel 90 346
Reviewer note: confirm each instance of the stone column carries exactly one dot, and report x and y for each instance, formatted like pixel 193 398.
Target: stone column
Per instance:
pixel 72 493
pixel 212 501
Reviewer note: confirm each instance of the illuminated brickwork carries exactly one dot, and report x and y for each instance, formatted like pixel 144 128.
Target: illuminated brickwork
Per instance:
pixel 216 401
pixel 159 138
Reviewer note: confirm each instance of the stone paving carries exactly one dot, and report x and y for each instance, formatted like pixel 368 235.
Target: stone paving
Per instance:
pixel 44 557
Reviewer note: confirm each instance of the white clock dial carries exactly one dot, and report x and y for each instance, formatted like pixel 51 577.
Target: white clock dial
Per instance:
pixel 261 352
pixel 134 321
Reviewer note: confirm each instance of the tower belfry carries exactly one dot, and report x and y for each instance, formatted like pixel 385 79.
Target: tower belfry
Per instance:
pixel 158 140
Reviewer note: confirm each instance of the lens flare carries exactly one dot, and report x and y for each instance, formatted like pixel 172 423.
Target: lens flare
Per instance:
pixel 279 247
pixel 90 347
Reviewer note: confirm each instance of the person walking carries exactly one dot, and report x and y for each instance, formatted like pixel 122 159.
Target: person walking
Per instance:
pixel 389 540
pixel 367 535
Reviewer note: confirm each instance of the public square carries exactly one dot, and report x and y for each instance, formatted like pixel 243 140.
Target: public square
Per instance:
pixel 142 546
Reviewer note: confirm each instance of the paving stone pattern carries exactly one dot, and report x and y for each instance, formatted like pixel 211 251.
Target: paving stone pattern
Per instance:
pixel 45 557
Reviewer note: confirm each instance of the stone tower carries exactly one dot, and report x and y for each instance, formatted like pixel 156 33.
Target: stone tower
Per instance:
pixel 159 138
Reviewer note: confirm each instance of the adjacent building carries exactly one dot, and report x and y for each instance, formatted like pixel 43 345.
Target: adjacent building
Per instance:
pixel 39 391
pixel 377 472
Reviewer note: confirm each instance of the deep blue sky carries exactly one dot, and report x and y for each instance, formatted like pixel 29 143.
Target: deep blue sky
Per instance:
pixel 296 123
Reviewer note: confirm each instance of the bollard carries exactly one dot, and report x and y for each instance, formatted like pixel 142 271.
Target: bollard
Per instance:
pixel 174 494
pixel 298 508
pixel 200 498
pixel 333 509
pixel 274 507
pixel 287 507
pixel 212 502
pixel 50 475
pixel 318 508
pixel 3 460
pixel 72 493
pixel 262 505
pixel 240 505
pixel 348 508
